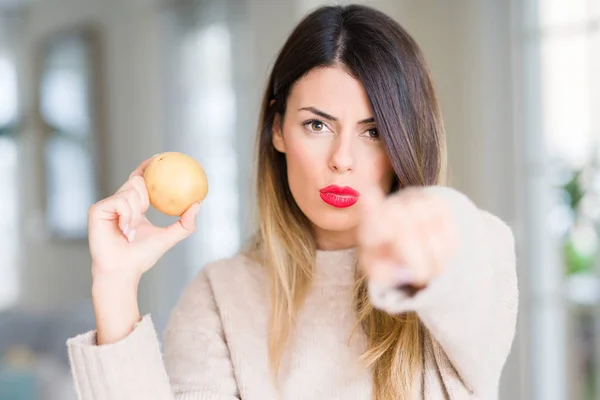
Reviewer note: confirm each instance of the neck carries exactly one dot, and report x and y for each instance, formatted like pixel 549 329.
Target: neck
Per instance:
pixel 332 240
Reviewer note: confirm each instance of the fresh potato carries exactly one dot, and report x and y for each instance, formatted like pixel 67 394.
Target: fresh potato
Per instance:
pixel 175 181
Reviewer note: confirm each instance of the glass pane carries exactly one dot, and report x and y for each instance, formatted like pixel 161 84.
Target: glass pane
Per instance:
pixel 566 97
pixel 8 91
pixel 64 90
pixel 561 13
pixel 9 283
pixel 594 11
pixel 70 187
pixel 595 77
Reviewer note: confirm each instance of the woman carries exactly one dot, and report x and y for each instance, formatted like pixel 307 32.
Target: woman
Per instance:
pixel 351 156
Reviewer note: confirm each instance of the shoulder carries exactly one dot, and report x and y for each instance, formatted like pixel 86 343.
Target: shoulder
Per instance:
pixel 497 228
pixel 503 260
pixel 481 230
pixel 501 241
pixel 492 238
pixel 469 213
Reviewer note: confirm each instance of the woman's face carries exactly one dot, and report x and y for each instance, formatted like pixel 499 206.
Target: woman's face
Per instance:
pixel 333 152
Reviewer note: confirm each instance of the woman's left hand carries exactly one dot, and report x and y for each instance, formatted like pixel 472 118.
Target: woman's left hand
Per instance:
pixel 406 239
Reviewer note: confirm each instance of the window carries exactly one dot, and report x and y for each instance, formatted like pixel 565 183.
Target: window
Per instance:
pixel 9 216
pixel 67 112
pixel 561 121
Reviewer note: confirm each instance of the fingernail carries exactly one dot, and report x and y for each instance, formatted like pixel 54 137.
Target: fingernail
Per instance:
pixel 131 236
pixel 402 276
pixel 125 230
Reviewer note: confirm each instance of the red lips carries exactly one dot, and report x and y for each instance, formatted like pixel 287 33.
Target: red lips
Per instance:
pixel 339 196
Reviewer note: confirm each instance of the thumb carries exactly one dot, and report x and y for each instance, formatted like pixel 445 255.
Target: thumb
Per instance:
pixel 181 229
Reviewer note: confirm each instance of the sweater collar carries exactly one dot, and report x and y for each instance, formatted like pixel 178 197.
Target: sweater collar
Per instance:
pixel 336 266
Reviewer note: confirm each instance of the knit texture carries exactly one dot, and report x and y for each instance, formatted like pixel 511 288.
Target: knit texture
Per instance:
pixel 216 342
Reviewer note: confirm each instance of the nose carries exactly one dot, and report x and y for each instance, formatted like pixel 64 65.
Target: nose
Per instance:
pixel 342 159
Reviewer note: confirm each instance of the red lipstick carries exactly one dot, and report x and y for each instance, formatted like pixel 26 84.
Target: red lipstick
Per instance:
pixel 339 196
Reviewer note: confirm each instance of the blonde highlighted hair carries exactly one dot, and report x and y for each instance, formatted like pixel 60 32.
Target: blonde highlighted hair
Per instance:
pixel 389 64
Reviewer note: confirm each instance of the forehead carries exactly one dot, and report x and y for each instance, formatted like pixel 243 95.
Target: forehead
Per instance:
pixel 333 90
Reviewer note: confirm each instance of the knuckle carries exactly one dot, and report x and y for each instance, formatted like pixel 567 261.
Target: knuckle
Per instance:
pixel 138 180
pixel 121 204
pixel 189 227
pixel 93 210
pixel 132 197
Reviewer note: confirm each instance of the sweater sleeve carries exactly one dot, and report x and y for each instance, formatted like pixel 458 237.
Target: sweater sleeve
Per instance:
pixel 196 363
pixel 469 309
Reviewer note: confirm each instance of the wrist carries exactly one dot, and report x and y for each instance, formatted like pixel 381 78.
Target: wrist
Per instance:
pixel 114 282
pixel 115 306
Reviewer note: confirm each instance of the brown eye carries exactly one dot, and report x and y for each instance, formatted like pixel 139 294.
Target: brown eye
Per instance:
pixel 317 126
pixel 372 134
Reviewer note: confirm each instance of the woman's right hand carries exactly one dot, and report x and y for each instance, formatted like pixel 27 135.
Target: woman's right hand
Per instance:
pixel 124 244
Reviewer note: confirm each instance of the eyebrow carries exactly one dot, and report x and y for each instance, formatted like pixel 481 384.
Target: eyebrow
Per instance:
pixel 331 117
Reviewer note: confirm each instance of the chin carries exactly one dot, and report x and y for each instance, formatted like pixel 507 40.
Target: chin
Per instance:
pixel 335 220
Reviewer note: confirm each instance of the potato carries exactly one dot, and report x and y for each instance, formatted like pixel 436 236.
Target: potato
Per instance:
pixel 175 181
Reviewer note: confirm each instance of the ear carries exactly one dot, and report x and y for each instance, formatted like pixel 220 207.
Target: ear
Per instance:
pixel 277 137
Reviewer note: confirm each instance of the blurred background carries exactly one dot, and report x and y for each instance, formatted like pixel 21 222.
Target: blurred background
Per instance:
pixel 89 88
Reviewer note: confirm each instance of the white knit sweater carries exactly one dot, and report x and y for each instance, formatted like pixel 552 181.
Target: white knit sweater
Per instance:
pixel 216 341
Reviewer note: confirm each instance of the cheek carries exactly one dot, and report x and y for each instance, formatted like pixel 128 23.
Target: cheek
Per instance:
pixel 297 155
pixel 304 159
pixel 377 167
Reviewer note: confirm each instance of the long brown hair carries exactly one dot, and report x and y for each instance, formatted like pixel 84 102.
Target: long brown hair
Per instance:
pixel 378 52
